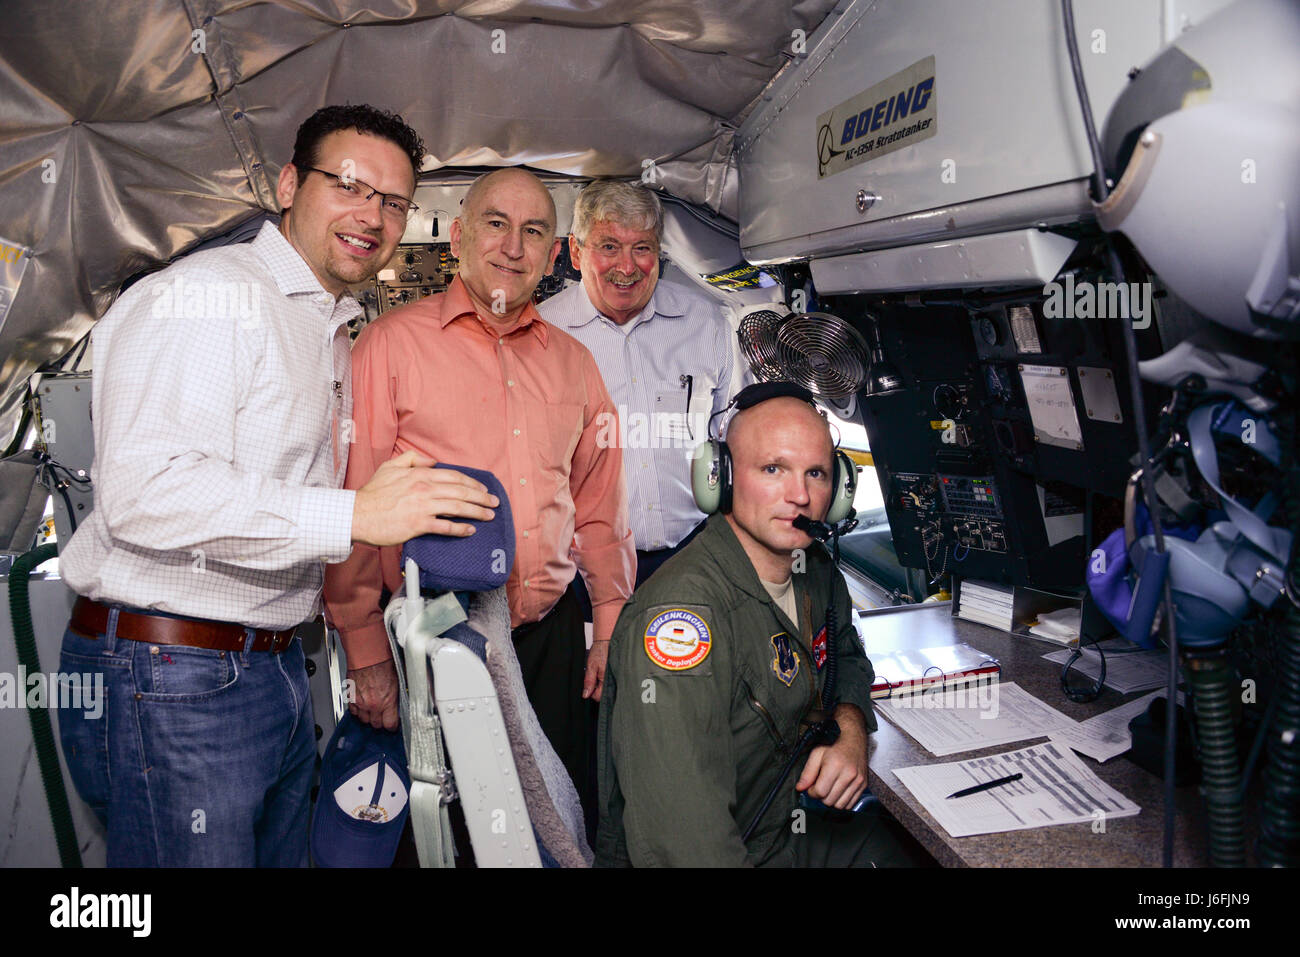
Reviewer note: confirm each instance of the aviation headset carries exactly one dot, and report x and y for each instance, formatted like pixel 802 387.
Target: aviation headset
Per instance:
pixel 711 470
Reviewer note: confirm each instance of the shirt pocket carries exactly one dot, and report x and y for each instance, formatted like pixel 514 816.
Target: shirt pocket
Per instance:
pixel 553 432
pixel 673 422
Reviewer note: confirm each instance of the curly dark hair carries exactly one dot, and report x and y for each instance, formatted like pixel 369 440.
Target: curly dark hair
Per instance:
pixel 363 119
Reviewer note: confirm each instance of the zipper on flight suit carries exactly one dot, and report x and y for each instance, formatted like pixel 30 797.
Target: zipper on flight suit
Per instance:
pixel 767 718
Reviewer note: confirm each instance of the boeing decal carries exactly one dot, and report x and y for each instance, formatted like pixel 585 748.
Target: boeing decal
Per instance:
pixel 894 113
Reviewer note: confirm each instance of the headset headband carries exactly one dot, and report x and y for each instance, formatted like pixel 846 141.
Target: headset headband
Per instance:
pixel 752 395
pixel 762 391
pixel 711 465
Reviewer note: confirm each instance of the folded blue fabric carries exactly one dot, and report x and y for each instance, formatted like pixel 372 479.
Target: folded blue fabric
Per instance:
pixel 470 638
pixel 369 839
pixel 480 562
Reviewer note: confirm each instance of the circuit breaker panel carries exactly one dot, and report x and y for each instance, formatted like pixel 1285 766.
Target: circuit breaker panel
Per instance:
pixel 1007 421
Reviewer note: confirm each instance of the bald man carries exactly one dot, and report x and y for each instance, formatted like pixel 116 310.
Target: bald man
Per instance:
pixel 717 663
pixel 474 377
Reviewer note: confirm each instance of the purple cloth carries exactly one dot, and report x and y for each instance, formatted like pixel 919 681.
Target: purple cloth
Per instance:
pixel 1110 586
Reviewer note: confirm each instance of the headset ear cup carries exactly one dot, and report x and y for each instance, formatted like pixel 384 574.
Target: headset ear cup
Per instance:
pixel 844 488
pixel 725 486
pixel 707 479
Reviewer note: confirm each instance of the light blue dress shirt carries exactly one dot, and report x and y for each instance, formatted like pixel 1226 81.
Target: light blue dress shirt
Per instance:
pixel 679 346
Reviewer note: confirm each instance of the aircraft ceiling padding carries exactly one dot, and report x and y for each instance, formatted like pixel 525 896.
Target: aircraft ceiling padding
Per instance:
pixel 156 147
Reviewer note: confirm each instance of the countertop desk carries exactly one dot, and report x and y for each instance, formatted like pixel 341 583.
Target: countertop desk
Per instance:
pixel 1127 842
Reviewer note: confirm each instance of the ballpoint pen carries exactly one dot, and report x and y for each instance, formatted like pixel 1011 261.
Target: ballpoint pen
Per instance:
pixel 985 786
pixel 687 382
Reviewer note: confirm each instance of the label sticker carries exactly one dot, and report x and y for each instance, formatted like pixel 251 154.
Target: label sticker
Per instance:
pixel 677 640
pixel 897 112
pixel 819 648
pixel 1051 405
pixel 786 661
pixel 738 277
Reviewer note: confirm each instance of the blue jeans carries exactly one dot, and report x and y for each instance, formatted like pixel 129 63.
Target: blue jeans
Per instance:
pixel 200 758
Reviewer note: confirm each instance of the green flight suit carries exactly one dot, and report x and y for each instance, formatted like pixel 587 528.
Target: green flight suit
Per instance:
pixel 698 719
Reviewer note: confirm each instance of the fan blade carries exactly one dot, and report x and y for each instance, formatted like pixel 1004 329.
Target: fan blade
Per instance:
pixel 757 335
pixel 824 354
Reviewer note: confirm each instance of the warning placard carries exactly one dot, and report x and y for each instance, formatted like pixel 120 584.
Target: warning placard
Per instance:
pixel 13 263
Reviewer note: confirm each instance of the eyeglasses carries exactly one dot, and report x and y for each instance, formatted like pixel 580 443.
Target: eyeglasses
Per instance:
pixel 357 193
pixel 611 250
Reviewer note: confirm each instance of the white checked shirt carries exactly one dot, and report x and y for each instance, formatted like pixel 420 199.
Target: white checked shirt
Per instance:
pixel 646 363
pixel 222 404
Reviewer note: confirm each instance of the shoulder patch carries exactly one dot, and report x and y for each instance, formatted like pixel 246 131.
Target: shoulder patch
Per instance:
pixel 785 660
pixel 819 648
pixel 677 639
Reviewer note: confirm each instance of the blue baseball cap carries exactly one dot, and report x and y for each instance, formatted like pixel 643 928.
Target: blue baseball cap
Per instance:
pixel 480 562
pixel 364 797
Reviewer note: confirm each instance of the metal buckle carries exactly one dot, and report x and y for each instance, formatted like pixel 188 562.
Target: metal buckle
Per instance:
pixel 446 782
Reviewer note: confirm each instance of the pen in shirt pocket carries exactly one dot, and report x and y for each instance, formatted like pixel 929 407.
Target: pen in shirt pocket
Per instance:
pixel 688 382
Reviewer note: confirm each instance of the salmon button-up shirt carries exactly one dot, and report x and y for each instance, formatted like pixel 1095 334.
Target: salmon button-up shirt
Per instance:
pixel 528 405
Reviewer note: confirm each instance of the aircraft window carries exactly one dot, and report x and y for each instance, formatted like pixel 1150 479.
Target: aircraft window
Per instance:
pixel 853 437
pixel 874 575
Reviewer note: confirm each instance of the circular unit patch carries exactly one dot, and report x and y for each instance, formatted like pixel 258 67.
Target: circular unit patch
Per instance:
pixel 677 639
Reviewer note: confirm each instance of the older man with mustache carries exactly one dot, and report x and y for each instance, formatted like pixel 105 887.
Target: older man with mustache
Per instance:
pixel 665 352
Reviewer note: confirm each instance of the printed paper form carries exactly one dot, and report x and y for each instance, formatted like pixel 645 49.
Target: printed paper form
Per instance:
pixel 1057 788
pixel 1106 735
pixel 979 715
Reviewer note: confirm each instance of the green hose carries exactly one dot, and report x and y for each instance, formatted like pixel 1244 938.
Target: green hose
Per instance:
pixel 1279 818
pixel 1279 821
pixel 56 795
pixel 1210 678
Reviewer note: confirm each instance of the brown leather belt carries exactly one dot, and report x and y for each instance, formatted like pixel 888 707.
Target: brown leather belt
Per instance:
pixel 90 620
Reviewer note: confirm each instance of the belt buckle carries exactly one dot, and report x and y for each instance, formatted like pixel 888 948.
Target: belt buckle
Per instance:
pixel 275 638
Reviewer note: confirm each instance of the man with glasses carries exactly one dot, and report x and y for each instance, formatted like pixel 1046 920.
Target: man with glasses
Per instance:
pixel 222 403
pixel 664 350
